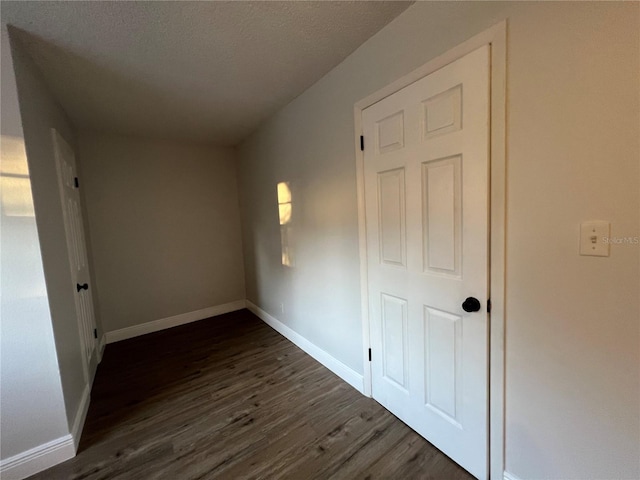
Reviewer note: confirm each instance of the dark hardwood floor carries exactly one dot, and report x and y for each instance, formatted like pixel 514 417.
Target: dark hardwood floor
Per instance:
pixel 230 398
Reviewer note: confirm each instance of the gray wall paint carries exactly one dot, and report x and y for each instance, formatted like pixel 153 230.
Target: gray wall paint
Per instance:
pixel 164 220
pixel 40 113
pixel 33 410
pixel 572 322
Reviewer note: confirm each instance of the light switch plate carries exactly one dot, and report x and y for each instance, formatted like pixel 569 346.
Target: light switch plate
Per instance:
pixel 594 236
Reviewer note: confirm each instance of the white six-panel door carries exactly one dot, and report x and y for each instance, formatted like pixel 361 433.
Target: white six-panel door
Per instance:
pixel 76 246
pixel 426 163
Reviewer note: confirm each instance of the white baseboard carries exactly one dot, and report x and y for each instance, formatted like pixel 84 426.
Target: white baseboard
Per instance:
pixel 349 375
pixel 101 345
pixel 37 459
pixel 164 323
pixel 509 476
pixel 81 415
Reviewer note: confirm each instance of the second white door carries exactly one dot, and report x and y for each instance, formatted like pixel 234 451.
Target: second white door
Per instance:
pixel 426 189
pixel 76 247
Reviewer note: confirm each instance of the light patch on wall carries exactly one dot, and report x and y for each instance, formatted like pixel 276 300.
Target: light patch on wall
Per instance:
pixel 285 210
pixel 15 186
pixel 284 202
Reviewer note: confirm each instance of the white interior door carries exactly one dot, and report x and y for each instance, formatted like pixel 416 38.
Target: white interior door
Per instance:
pixel 76 246
pixel 426 163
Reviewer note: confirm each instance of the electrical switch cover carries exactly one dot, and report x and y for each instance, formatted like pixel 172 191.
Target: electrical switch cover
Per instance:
pixel 594 238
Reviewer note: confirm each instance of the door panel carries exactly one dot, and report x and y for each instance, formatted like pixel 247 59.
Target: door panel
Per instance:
pixel 391 211
pixel 442 217
pixel 426 199
pixel 443 342
pixel 390 133
pixel 443 113
pixel 394 340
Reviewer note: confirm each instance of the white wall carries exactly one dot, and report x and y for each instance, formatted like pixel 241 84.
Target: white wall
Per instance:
pixel 573 346
pixel 40 113
pixel 165 224
pixel 33 410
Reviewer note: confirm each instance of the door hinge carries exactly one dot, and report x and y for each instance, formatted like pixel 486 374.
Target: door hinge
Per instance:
pixel 76 183
pixel 362 143
pixel 95 333
pixel 489 306
pixel 369 354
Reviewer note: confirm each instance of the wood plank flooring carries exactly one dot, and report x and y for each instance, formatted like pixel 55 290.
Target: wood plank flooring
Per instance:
pixel 230 398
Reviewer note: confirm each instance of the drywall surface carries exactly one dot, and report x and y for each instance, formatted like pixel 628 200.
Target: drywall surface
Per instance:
pixel 40 113
pixel 572 359
pixel 33 411
pixel 165 225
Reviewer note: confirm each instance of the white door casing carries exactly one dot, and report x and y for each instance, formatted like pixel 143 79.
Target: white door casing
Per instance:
pixel 426 177
pixel 76 246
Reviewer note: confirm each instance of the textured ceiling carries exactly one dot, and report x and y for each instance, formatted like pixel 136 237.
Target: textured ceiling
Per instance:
pixel 202 71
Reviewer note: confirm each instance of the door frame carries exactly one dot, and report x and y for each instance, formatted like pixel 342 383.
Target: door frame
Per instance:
pixel 496 38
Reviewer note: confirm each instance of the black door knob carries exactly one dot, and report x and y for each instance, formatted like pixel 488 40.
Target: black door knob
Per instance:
pixel 82 287
pixel 471 304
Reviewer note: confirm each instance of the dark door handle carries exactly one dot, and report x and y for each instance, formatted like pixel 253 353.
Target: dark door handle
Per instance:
pixel 82 287
pixel 471 304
